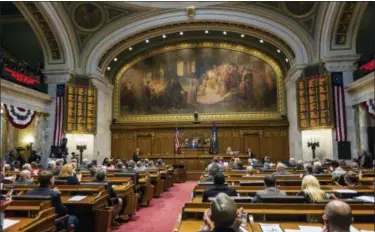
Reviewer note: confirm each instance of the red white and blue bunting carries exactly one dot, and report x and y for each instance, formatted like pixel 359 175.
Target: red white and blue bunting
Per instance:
pixel 370 106
pixel 20 118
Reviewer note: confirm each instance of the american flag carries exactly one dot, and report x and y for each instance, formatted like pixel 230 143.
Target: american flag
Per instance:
pixel 176 139
pixel 339 104
pixel 59 116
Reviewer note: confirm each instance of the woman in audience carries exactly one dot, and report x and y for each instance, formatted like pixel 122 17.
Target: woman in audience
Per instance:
pixel 317 168
pixel 110 165
pixel 34 168
pixel 212 171
pixel 105 161
pixel 250 171
pixel 238 164
pixel 67 173
pixel 119 165
pixel 311 190
pixel 350 179
pixel 231 163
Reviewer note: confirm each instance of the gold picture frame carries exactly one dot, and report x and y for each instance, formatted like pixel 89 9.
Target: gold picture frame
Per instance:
pixel 202 116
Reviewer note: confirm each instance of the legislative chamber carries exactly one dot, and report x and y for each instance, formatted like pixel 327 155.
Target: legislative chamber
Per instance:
pixel 187 116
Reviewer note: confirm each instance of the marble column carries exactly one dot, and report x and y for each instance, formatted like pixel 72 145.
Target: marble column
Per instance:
pixel 102 139
pixel 363 125
pixel 295 137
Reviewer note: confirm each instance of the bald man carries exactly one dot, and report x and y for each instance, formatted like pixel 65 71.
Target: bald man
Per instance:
pixel 337 217
pixel 280 170
pixel 25 178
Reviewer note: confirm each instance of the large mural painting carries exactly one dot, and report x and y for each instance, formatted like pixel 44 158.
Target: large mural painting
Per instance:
pixel 207 80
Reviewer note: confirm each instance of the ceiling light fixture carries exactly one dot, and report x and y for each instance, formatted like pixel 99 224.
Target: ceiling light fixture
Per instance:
pixel 147 41
pixel 287 60
pixel 224 32
pixel 130 48
pixel 206 32
pixel 278 50
pixel 164 36
pixel 115 59
pixel 181 33
pixel 108 68
pixel 261 41
pixel 242 35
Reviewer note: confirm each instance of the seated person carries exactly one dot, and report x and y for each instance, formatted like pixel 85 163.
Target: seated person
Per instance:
pixel 354 166
pixel 92 168
pixel 150 164
pixel 100 177
pixel 219 181
pixel 160 163
pixel 67 173
pixel 51 166
pixel 250 171
pixel 336 170
pixel 299 166
pixel 59 164
pixel 110 164
pixel 309 169
pixel 25 178
pixel 238 164
pixel 131 167
pixel 119 165
pixel 84 164
pixel 280 170
pixel 337 216
pixel 270 189
pixel 256 163
pixel 46 183
pixel 292 163
pixel 215 160
pixel 311 190
pixel 34 168
pixel 222 215
pixel 350 179
pixel 28 167
pixel 212 171
pixel 266 167
pixel 105 161
pixel 140 167
pixel 317 168
pixel 229 151
pixel 231 163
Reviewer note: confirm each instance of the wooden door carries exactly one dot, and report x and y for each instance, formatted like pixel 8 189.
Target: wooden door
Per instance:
pixel 251 141
pixel 144 143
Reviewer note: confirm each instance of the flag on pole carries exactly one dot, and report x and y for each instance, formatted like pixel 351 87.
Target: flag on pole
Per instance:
pixel 214 139
pixel 339 106
pixel 59 115
pixel 176 140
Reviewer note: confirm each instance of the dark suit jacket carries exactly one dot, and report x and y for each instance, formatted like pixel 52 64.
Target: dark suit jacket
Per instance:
pixel 135 156
pixel 212 192
pixel 72 180
pixel 56 200
pixel 111 191
pixel 268 192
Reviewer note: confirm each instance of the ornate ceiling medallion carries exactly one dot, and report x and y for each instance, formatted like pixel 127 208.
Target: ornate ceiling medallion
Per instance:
pixel 299 9
pixel 88 16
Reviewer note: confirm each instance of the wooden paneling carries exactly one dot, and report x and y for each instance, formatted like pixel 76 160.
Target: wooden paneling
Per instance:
pixel 264 138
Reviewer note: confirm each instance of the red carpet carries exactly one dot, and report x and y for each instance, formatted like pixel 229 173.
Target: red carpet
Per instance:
pixel 161 215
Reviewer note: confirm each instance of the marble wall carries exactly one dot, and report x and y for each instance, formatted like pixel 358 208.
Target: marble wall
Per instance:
pixel 326 144
pixel 72 143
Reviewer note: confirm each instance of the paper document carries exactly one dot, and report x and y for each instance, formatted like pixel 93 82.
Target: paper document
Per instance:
pixel 310 228
pixel 8 178
pixel 77 198
pixel 8 223
pixel 366 231
pixel 352 229
pixel 270 227
pixel 345 191
pixel 289 230
pixel 366 199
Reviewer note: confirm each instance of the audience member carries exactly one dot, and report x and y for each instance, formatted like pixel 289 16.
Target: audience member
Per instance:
pixel 92 168
pixel 317 168
pixel 337 217
pixel 46 183
pixel 280 170
pixel 342 163
pixel 136 155
pixel 223 215
pixel 160 163
pixel 365 160
pixel 212 171
pixel 219 182
pixel 270 189
pixel 67 173
pixel 28 167
pixel 229 151
pixel 311 190
pixel 215 160
pixel 292 163
pixel 25 178
pixel 354 166
pixel 299 166
pixel 249 171
pixel 350 179
pixel 308 169
pixel 337 171
pixel 231 163
pixel 84 164
pixel 238 164
pixel 131 167
pixel 266 167
pixel 100 177
pixel 140 167
pixel 105 161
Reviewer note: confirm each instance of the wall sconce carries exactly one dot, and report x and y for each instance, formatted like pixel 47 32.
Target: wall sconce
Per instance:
pixel 29 140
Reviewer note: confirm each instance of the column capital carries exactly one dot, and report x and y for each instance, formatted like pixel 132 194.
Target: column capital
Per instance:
pixel 293 74
pixel 58 76
pixel 341 63
pixel 102 83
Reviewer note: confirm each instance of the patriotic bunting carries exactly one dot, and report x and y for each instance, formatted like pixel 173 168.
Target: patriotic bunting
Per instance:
pixel 20 118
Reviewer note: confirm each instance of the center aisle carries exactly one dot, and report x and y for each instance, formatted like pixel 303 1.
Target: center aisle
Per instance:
pixel 161 215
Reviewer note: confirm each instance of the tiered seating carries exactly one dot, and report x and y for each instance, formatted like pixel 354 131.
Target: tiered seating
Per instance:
pixel 95 209
pixel 289 212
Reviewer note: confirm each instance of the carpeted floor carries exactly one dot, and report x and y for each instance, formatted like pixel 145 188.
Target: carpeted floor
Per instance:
pixel 161 215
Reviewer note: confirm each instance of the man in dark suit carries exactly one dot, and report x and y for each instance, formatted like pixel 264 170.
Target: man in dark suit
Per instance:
pixel 219 181
pixel 46 182
pixel 136 154
pixel 270 189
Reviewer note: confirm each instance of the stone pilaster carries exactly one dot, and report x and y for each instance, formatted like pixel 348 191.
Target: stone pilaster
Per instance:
pixel 363 121
pixel 102 139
